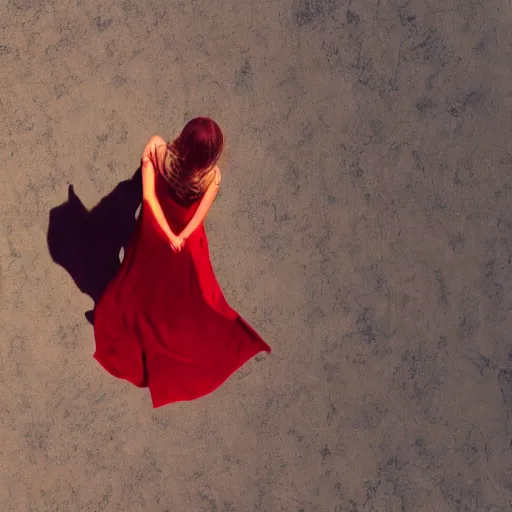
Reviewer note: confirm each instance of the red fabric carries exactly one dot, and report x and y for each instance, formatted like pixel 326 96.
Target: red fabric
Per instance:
pixel 163 321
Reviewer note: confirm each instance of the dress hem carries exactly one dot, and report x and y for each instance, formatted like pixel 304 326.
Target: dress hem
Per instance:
pixel 211 389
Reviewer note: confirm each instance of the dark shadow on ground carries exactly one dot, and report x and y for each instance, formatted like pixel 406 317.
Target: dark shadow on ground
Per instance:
pixel 87 243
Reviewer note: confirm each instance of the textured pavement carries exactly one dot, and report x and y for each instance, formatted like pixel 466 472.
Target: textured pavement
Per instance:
pixel 364 229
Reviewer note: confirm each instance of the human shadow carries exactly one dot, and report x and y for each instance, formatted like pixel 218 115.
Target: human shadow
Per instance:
pixel 87 243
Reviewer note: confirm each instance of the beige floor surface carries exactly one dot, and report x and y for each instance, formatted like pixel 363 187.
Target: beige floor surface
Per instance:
pixel 364 229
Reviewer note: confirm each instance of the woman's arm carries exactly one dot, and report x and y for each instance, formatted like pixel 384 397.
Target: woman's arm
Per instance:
pixel 149 196
pixel 203 208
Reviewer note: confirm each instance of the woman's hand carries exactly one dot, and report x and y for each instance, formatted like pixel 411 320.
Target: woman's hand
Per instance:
pixel 177 243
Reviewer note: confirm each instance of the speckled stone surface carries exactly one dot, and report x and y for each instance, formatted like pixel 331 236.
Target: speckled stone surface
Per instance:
pixel 364 229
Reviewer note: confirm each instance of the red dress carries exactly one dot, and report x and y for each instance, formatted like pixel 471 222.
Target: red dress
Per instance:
pixel 163 321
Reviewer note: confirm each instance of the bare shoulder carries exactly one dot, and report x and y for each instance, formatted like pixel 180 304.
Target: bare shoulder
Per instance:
pixel 160 152
pixel 158 141
pixel 217 175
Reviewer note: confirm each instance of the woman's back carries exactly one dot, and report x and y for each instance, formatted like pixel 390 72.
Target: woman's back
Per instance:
pixel 178 211
pixel 179 199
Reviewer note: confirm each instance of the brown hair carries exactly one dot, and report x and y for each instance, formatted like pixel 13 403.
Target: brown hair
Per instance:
pixel 190 159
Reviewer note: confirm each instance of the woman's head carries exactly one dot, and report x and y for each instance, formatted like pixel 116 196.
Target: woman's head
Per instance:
pixel 199 144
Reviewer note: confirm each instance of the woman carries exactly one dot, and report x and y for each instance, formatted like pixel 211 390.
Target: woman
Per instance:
pixel 163 321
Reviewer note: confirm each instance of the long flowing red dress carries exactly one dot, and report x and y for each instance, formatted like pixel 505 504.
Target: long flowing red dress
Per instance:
pixel 163 321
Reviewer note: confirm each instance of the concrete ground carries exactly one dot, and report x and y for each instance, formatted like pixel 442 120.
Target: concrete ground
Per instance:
pixel 364 229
